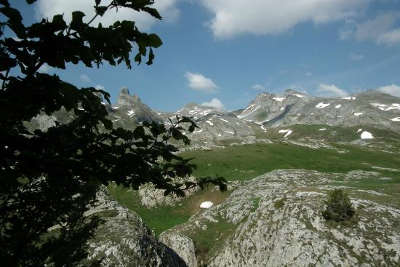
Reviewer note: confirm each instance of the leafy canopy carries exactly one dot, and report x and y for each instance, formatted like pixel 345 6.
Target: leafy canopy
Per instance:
pixel 48 177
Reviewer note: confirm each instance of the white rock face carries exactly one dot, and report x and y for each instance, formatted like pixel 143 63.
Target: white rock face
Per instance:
pixel 338 106
pixel 366 135
pixel 206 204
pixel 322 105
pixel 357 114
pixel 45 122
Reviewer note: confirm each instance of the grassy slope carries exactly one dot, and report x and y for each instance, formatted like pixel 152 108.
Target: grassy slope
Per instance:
pixel 164 217
pixel 248 161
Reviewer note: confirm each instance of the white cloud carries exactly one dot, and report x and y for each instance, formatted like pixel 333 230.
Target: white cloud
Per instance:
pixel 235 17
pixel 199 82
pixel 308 74
pixel 331 90
pixel 356 56
pixel 391 37
pixel 258 87
pixel 214 103
pixel 47 8
pixel 381 30
pixel 390 89
pixel 345 33
pixel 84 78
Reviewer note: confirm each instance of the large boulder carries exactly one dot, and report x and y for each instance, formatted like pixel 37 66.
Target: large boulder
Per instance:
pixel 124 240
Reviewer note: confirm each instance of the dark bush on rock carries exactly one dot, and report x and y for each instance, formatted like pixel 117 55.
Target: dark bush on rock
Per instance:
pixel 339 206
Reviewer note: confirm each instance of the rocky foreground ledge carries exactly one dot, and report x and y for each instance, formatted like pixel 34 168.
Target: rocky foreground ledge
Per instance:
pixel 275 220
pixel 272 220
pixel 124 240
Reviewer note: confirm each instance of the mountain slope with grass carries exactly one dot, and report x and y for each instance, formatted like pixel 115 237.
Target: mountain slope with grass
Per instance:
pixel 368 108
pixel 281 168
pixel 274 206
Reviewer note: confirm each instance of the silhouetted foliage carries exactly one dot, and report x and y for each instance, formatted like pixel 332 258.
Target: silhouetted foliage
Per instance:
pixel 339 207
pixel 48 178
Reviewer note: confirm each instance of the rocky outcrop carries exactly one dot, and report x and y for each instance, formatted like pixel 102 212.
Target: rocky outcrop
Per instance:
pixel 216 127
pixel 130 107
pixel 43 122
pixel 151 197
pixel 124 240
pixel 276 220
pixel 182 244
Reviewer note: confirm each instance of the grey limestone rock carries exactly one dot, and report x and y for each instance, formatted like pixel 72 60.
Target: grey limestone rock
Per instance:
pixel 182 244
pixel 124 240
pixel 276 221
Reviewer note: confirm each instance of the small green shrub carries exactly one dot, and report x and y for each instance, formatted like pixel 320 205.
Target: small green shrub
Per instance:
pixel 280 203
pixel 339 206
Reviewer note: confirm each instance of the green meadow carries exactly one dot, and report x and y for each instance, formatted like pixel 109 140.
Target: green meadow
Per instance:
pixel 244 162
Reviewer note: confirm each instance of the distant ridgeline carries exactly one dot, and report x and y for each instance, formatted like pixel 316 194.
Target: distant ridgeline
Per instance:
pixel 366 117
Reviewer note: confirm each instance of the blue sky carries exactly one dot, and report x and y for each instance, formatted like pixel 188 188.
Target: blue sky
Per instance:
pixel 225 52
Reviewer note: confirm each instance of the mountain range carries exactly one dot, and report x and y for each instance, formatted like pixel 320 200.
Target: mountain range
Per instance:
pixel 367 118
pixel 298 148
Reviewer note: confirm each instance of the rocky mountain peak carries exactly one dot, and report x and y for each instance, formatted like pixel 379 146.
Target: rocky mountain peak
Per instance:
pixel 292 92
pixel 126 99
pixel 196 110
pixel 132 107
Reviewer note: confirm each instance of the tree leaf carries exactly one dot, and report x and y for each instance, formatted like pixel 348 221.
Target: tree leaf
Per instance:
pixel 77 23
pixel 101 10
pixel 154 40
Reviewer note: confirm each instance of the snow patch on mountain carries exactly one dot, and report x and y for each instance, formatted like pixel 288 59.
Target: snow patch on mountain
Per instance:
pixel 322 105
pixel 287 132
pixel 298 95
pixel 206 204
pixel 394 106
pixel 366 135
pixel 385 107
pixel 279 99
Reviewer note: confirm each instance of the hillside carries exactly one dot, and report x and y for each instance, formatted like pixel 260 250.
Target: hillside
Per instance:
pixel 281 156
